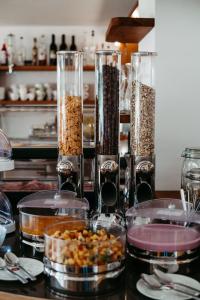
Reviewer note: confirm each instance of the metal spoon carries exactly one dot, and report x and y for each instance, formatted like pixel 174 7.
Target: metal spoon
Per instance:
pixel 156 285
pixel 13 260
pixel 4 267
pixel 164 278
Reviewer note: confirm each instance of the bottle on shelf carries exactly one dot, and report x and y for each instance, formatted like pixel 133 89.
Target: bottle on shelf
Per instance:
pixel 52 51
pixel 63 45
pixel 92 49
pixel 21 55
pixel 85 48
pixel 42 51
pixel 73 46
pixel 4 55
pixel 11 49
pixel 35 52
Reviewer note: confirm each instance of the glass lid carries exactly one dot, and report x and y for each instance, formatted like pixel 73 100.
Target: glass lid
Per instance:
pixel 164 209
pixel 6 214
pixel 191 152
pixel 6 163
pixel 53 200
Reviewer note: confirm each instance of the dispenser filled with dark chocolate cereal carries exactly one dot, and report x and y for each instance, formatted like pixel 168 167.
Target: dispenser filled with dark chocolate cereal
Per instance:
pixel 107 133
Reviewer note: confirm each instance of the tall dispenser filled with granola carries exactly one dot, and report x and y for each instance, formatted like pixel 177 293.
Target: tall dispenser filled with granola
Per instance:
pixel 70 118
pixel 108 66
pixel 142 126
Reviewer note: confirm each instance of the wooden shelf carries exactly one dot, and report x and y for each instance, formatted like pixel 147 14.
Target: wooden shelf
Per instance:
pixel 89 102
pixel 27 103
pixel 39 68
pixel 128 30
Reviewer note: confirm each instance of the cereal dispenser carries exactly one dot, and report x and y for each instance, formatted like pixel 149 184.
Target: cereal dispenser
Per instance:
pixel 70 116
pixel 142 126
pixel 107 131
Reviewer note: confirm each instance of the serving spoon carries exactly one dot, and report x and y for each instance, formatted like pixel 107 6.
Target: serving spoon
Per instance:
pixel 3 266
pixel 154 284
pixel 12 260
pixel 164 278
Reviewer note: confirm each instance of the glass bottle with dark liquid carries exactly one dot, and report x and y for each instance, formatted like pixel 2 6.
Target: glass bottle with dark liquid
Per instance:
pixel 63 45
pixel 52 51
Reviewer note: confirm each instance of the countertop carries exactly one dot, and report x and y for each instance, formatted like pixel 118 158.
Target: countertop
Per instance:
pixel 39 288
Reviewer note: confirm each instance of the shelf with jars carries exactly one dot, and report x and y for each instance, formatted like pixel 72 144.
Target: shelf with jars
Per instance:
pixel 87 68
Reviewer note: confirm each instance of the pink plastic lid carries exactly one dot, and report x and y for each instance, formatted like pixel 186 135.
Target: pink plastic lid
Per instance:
pixel 163 237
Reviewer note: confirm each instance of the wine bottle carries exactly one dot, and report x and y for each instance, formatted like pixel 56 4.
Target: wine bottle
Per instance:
pixel 42 51
pixel 73 45
pixel 52 51
pixel 4 55
pixel 63 45
pixel 34 52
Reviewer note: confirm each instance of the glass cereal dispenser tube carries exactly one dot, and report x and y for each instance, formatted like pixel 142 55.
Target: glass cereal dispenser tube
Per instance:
pixel 108 75
pixel 142 125
pixel 70 119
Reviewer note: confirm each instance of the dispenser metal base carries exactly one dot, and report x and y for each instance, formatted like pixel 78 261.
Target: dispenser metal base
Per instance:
pixel 92 281
pixel 142 186
pixel 70 173
pixel 107 184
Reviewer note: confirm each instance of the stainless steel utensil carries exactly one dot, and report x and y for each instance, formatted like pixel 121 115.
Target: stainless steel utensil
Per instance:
pixel 153 283
pixel 3 266
pixel 12 260
pixel 164 278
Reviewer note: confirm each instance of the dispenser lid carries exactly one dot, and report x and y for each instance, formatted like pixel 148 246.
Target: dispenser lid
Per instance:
pixel 53 200
pixel 6 163
pixel 191 152
pixel 163 209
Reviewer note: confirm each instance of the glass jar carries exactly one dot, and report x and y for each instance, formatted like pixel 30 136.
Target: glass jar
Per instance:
pixel 193 188
pixel 190 176
pixel 126 89
pixel 142 112
pixel 191 161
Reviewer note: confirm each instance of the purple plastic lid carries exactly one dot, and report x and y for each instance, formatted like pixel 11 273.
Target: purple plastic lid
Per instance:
pixel 163 237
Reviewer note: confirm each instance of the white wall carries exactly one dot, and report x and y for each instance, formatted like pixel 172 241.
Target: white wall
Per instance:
pixel 177 86
pixel 178 83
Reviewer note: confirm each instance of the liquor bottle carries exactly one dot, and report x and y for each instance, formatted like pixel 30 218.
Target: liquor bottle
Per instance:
pixel 73 45
pixel 4 55
pixel 34 52
pixel 63 45
pixel 52 51
pixel 42 51
pixel 21 52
